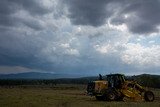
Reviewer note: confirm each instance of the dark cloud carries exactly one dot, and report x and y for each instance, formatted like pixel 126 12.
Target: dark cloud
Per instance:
pixel 8 7
pixel 19 49
pixel 143 15
pixel 33 8
pixel 88 12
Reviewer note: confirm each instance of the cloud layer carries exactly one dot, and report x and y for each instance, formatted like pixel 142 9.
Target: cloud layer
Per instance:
pixel 79 36
pixel 140 16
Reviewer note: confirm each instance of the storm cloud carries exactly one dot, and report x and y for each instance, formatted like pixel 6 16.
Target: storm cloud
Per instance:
pixel 140 16
pixel 90 12
pixel 79 36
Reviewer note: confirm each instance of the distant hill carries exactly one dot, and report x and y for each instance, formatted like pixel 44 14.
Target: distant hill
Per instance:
pixel 37 75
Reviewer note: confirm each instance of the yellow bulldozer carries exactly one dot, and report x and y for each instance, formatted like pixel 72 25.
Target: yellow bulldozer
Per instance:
pixel 115 88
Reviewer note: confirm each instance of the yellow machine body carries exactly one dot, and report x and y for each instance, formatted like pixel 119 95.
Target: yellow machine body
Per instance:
pixel 117 90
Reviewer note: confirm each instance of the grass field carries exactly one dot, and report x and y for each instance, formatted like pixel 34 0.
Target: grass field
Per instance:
pixel 61 96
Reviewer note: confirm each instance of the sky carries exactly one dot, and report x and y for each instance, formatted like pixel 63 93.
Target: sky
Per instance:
pixel 80 36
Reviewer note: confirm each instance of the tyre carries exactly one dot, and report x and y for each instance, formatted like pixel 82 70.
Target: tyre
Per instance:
pixel 111 96
pixel 120 98
pixel 149 96
pixel 99 98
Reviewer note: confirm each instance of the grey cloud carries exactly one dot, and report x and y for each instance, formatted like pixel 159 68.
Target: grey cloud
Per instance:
pixel 88 12
pixel 34 24
pixel 18 49
pixel 32 6
pixel 8 9
pixel 6 20
pixel 144 18
pixel 25 50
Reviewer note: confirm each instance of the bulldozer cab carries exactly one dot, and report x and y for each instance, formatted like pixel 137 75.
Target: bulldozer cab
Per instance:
pixel 115 80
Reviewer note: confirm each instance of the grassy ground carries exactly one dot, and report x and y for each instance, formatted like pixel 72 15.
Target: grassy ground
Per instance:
pixel 61 96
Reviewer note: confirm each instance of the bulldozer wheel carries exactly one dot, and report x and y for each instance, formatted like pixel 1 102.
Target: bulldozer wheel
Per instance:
pixel 149 96
pixel 100 98
pixel 120 98
pixel 111 96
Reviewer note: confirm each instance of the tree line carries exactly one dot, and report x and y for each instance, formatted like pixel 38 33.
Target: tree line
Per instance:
pixel 144 80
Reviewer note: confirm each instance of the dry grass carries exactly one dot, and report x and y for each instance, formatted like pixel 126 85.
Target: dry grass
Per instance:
pixel 61 96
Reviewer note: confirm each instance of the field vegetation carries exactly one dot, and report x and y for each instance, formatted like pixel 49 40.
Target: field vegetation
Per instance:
pixel 61 95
